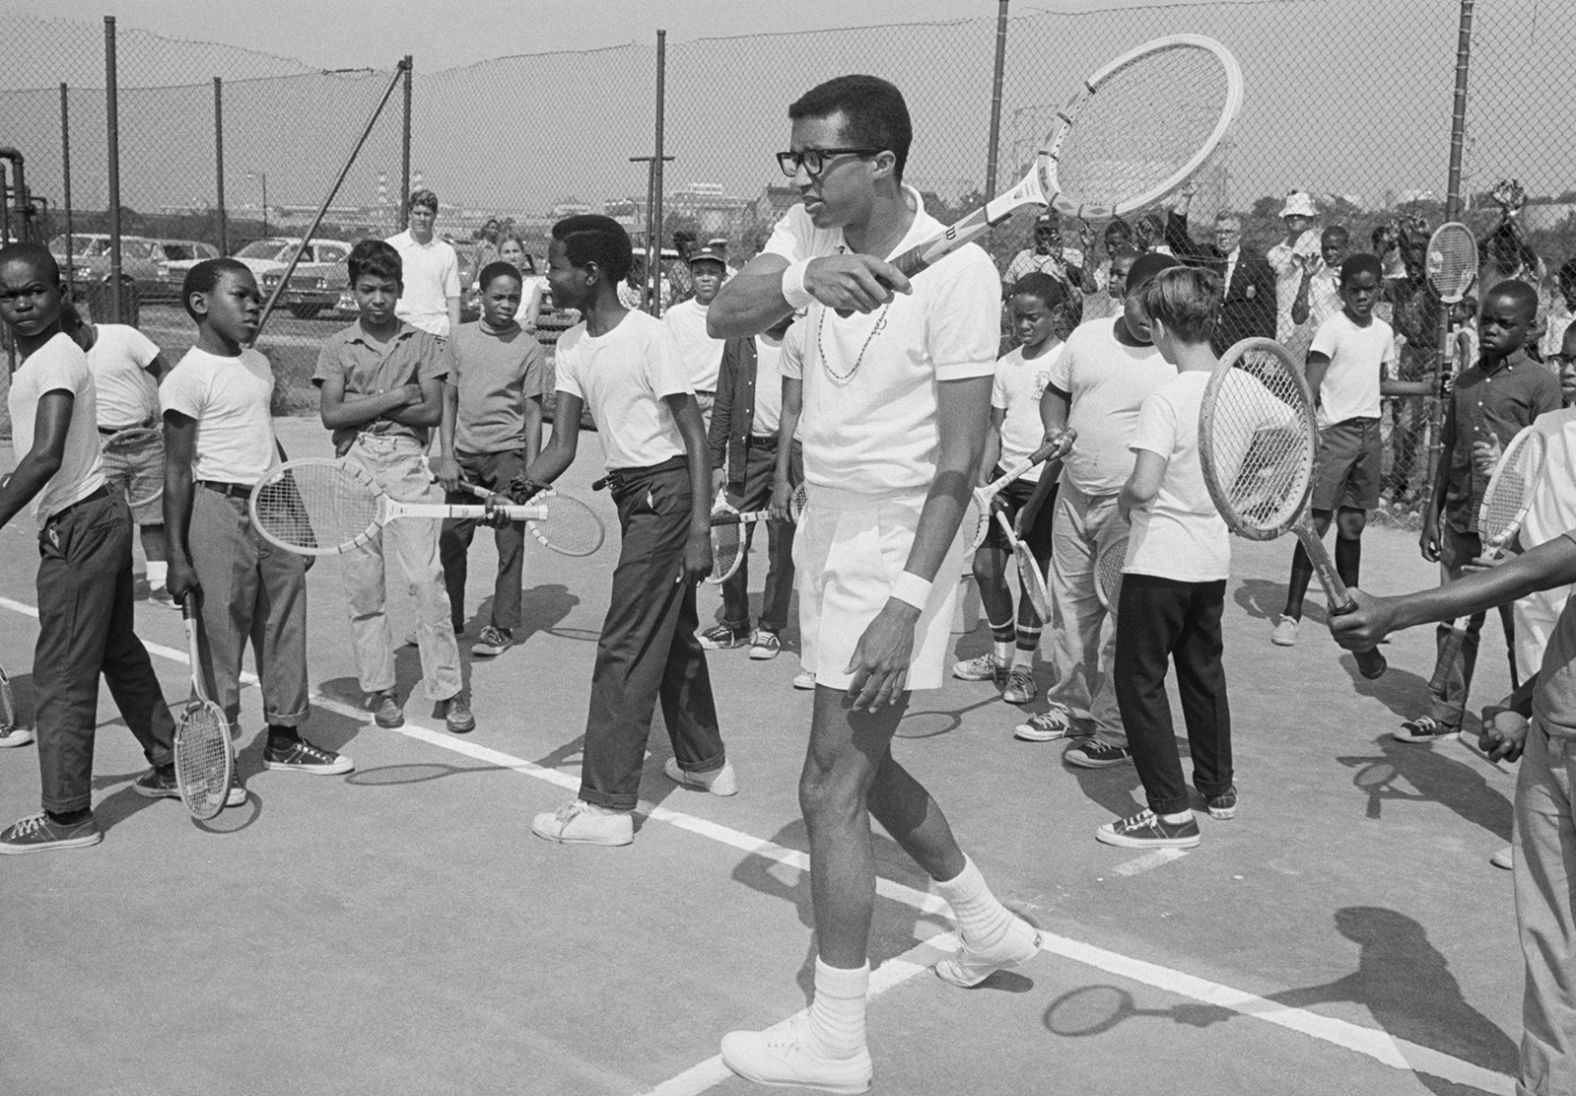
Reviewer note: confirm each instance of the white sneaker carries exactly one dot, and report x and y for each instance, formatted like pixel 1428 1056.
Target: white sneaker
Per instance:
pixel 579 823
pixel 764 645
pixel 968 967
pixel 981 668
pixel 783 1055
pixel 1504 858
pixel 21 736
pixel 804 679
pixel 723 781
pixel 1285 633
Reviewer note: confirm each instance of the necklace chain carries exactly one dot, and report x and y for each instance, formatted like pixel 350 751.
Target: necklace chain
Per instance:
pixel 875 330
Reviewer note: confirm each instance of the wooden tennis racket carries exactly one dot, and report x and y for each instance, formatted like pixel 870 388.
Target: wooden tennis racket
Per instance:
pixel 562 523
pixel 1258 443
pixel 204 760
pixel 977 511
pixel 1030 578
pixel 1108 572
pixel 1452 262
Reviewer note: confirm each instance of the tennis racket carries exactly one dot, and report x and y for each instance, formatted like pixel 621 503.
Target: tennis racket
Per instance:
pixel 1452 262
pixel 560 523
pixel 204 763
pixel 1030 577
pixel 7 702
pixel 1108 572
pixel 727 539
pixel 1504 508
pixel 1136 131
pixel 321 507
pixel 1257 444
pixel 133 441
pixel 977 511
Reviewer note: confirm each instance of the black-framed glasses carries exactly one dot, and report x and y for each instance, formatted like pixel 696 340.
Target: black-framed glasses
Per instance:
pixel 814 159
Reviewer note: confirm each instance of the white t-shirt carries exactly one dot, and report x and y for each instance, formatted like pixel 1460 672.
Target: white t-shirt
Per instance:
pixel 1552 507
pixel 229 399
pixel 622 377
pixel 1017 388
pixel 1359 359
pixel 1179 535
pixel 1284 260
pixel 868 422
pixel 431 276
pixel 686 322
pixel 58 366
pixel 768 387
pixel 127 393
pixel 1324 296
pixel 1108 383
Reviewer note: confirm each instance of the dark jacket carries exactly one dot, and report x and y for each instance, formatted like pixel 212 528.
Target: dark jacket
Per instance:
pixel 1248 308
pixel 733 413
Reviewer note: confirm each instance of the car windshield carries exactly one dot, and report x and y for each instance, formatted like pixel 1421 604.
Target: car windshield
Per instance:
pixel 263 249
pixel 81 246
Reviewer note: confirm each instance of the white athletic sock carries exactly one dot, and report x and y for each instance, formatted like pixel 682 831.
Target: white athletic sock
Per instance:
pixel 1002 652
pixel 158 572
pixel 982 919
pixel 1022 659
pixel 1180 816
pixel 837 1014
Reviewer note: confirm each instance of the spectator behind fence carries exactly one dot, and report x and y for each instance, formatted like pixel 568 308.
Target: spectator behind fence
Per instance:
pixel 1319 294
pixel 1287 259
pixel 1118 237
pixel 1247 308
pixel 1047 256
pixel 1560 313
pixel 431 297
pixel 1415 317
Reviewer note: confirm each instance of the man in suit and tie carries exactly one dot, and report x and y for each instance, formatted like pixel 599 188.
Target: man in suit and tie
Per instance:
pixel 1248 307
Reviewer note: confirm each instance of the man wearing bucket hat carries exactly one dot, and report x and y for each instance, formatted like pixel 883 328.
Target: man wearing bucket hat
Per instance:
pixel 1047 255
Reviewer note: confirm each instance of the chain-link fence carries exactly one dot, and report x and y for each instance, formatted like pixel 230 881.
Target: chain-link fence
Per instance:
pixel 1350 101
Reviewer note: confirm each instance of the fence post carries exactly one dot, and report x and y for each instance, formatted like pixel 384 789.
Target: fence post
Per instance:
pixel 65 182
pixel 218 167
pixel 404 163
pixel 112 123
pixel 654 240
pixel 995 101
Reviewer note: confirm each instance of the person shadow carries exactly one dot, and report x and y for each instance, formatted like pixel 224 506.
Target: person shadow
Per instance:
pixel 1432 777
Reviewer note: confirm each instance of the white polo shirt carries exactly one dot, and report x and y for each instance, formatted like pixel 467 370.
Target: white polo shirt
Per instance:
pixel 229 399
pixel 1019 384
pixel 1359 358
pixel 58 366
pixel 868 423
pixel 431 276
pixel 622 377
pixel 686 322
pixel 127 393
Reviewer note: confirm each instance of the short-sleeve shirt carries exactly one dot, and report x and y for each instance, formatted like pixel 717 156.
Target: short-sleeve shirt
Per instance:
pixel 868 422
pixel 768 387
pixel 1551 505
pixel 624 377
pixel 1324 296
pixel 370 368
pixel 59 366
pixel 1490 404
pixel 431 276
pixel 1360 356
pixel 127 393
pixel 1029 261
pixel 1108 382
pixel 1019 383
pixel 1554 701
pixel 1179 535
pixel 686 322
pixel 229 400
pixel 494 373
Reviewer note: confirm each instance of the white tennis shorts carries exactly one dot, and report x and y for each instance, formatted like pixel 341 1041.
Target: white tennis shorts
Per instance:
pixel 848 551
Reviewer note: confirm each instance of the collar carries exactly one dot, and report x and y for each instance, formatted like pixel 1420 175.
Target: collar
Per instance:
pixel 1507 364
pixel 915 234
pixel 359 335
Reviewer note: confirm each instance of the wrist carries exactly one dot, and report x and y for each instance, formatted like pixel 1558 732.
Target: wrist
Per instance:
pixel 911 590
pixel 794 292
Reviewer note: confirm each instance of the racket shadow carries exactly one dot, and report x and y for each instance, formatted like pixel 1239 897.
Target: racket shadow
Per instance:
pixel 935 722
pixel 1097 1009
pixel 1405 772
pixel 414 773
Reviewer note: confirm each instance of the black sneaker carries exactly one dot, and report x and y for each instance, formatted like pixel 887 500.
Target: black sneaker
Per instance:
pixel 154 784
pixel 40 834
pixel 492 642
pixel 1146 829
pixel 1222 806
pixel 1425 728
pixel 723 638
pixel 301 756
pixel 1093 753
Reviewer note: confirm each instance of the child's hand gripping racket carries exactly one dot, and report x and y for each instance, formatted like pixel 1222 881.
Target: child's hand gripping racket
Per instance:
pixel 728 532
pixel 204 761
pixel 1257 443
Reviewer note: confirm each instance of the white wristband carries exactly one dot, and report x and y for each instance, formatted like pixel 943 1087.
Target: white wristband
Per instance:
pixel 794 293
pixel 911 590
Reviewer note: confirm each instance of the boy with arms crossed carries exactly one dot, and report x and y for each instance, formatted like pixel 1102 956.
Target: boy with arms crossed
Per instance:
pixel 84 546
pixel 219 442
pixel 492 428
pixel 626 367
pixel 1021 375
pixel 380 385
pixel 894 417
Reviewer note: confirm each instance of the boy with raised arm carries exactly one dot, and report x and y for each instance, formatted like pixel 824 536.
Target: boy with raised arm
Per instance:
pixel 895 402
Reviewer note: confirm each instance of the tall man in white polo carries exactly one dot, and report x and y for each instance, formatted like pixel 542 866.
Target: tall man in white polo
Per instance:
pixel 431 297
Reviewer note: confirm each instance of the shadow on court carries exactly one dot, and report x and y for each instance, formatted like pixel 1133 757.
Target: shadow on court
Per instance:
pixel 1428 776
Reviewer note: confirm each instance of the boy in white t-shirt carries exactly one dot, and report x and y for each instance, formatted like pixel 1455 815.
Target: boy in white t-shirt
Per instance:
pixel 1036 304
pixel 626 368
pixel 84 546
pixel 219 440
pixel 1174 582
pixel 686 322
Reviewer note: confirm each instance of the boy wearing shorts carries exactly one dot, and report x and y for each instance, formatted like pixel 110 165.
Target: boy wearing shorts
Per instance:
pixel 380 390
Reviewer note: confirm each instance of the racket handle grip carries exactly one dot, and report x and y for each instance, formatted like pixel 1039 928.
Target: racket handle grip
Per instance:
pixel 1371 664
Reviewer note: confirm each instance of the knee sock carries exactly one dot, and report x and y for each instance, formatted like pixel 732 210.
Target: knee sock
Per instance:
pixel 1348 559
pixel 1301 574
pixel 837 1014
pixel 982 919
pixel 1028 642
pixel 1001 641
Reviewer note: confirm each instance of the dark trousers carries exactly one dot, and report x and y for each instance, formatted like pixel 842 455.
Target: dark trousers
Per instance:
pixel 648 649
pixel 492 471
pixel 754 492
pixel 84 629
pixel 1456 550
pixel 1157 619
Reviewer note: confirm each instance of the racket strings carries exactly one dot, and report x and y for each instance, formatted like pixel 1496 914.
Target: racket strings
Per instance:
pixel 1142 124
pixel 727 544
pixel 1261 443
pixel 203 757
pixel 1502 504
pixel 316 505
pixel 570 527
pixel 1108 572
pixel 1452 260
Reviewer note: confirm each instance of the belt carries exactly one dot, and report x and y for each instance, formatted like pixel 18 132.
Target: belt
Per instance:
pixel 101 492
pixel 145 424
pixel 228 490
pixel 618 477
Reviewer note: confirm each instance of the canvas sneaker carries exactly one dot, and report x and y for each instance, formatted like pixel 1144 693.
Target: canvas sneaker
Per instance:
pixel 1222 806
pixel 492 642
pixel 786 1055
pixel 1285 633
pixel 721 637
pixel 1053 723
pixel 40 834
pixel 983 668
pixel 764 645
pixel 579 823
pixel 1504 858
pixel 804 679
pixel 723 781
pixel 15 736
pixel 1020 686
pixel 301 756
pixel 1096 754
pixel 968 967
pixel 1425 728
pixel 1146 829
pixel 155 784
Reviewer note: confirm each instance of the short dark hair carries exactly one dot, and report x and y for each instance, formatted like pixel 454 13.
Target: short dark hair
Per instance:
pixel 874 114
pixel 1361 263
pixel 1186 299
pixel 423 197
pixel 592 238
pixel 1040 284
pixel 377 258
pixel 1334 232
pixel 204 277
pixel 1147 266
pixel 36 255
pixel 1518 292
pixel 498 269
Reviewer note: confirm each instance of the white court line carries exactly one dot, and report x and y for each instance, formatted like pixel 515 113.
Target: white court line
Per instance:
pixel 1401 1054
pixel 1149 860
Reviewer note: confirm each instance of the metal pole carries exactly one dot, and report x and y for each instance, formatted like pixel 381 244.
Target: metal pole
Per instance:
pixel 995 99
pixel 65 182
pixel 112 121
pixel 654 245
pixel 218 158
pixel 407 66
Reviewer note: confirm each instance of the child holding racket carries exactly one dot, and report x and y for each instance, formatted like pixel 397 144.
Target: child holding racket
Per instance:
pixel 1021 376
pixel 627 369
pixel 895 400
pixel 493 402
pixel 1174 582
pixel 84 549
pixel 219 442
pixel 380 390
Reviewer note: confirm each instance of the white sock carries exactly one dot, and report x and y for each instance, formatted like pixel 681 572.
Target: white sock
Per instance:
pixel 982 919
pixel 1180 816
pixel 1002 652
pixel 837 1014
pixel 1022 659
pixel 158 571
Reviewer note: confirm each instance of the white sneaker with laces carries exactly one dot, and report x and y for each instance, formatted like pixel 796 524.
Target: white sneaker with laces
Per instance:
pixel 804 679
pixel 1285 633
pixel 1020 686
pixel 785 1055
pixel 980 668
pixel 764 645
pixel 968 967
pixel 723 781
pixel 579 823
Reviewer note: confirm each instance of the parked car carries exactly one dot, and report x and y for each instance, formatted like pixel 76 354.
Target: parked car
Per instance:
pixel 166 284
pixel 318 280
pixel 144 260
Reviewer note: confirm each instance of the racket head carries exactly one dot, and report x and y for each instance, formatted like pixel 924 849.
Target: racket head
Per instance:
pixel 134 441
pixel 1141 126
pixel 976 520
pixel 204 764
pixel 727 542
pixel 1257 440
pixel 1452 261
pixel 1509 491
pixel 571 527
pixel 797 503
pixel 316 506
pixel 1108 572
pixel 7 702
pixel 1032 579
